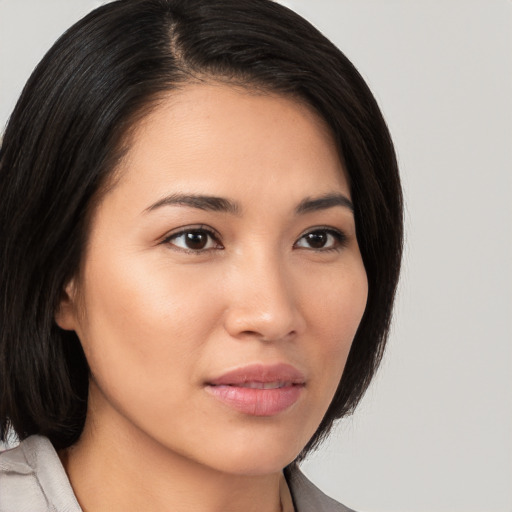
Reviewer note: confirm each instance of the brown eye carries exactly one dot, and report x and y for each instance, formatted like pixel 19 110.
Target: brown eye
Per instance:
pixel 194 240
pixel 316 240
pixel 321 239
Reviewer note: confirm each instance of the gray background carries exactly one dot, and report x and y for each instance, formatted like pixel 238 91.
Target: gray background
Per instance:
pixel 434 433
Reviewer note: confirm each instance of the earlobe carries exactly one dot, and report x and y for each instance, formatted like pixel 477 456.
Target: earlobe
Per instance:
pixel 65 314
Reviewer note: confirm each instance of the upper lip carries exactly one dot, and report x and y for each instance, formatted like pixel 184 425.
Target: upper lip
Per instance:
pixel 260 373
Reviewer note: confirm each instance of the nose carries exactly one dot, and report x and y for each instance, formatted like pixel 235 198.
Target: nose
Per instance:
pixel 263 301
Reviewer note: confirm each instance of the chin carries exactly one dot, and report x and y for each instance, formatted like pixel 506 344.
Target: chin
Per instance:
pixel 254 464
pixel 257 455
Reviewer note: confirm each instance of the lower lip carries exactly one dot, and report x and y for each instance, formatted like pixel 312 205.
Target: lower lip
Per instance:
pixel 257 402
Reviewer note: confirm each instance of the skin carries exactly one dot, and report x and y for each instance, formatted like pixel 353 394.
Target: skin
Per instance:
pixel 157 320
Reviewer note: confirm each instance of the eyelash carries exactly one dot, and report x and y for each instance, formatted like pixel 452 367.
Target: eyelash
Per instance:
pixel 199 229
pixel 340 239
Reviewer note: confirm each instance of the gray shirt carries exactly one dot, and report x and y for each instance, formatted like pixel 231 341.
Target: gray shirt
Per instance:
pixel 32 479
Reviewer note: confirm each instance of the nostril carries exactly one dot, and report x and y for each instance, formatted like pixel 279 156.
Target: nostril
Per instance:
pixel 267 338
pixel 249 333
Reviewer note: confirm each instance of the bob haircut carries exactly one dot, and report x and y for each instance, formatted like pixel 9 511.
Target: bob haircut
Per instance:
pixel 70 128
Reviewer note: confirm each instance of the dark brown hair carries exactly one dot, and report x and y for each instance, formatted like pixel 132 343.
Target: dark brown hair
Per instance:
pixel 66 135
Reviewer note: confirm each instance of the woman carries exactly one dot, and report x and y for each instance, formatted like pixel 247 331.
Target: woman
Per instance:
pixel 201 237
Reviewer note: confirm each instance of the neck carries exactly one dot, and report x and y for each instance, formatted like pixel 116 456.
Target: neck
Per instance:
pixel 110 470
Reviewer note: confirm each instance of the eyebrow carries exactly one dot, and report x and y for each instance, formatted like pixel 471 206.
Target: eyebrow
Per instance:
pixel 208 203
pixel 220 204
pixel 323 203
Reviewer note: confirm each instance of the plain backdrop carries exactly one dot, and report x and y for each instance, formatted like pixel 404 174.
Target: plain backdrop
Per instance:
pixel 434 433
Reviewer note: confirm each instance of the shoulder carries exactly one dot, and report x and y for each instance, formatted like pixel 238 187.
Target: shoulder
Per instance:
pixel 309 498
pixel 32 479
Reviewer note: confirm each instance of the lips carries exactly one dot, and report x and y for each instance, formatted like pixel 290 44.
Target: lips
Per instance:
pixel 264 385
pixel 258 390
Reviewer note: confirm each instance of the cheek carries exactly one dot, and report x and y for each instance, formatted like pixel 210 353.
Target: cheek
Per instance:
pixel 143 318
pixel 336 300
pixel 336 314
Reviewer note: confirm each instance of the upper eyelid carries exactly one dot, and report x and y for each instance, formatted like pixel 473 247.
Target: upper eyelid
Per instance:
pixel 185 229
pixel 330 229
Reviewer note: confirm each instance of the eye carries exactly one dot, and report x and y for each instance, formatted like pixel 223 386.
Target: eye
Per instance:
pixel 194 240
pixel 322 239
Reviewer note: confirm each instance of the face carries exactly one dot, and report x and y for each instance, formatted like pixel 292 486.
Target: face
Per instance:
pixel 222 283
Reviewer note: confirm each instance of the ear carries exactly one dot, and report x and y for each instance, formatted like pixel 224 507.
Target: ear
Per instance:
pixel 66 312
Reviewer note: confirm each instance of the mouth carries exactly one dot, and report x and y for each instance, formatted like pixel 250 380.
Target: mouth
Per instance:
pixel 259 390
pixel 263 385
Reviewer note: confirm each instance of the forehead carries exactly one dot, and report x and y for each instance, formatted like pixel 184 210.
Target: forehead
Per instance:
pixel 219 138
